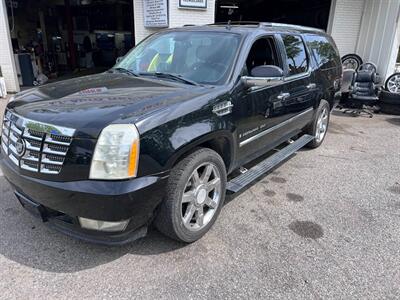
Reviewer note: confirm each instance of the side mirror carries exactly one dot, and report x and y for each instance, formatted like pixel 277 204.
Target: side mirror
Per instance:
pixel 119 59
pixel 262 76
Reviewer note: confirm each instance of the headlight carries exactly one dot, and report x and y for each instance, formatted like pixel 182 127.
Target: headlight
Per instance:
pixel 12 98
pixel 116 154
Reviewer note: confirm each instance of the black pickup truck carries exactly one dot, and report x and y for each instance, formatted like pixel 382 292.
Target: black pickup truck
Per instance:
pixel 160 137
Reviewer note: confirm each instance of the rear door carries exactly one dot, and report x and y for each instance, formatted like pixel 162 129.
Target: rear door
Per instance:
pixel 300 89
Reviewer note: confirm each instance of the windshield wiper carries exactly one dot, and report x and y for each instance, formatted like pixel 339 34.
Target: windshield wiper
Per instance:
pixel 169 76
pixel 126 71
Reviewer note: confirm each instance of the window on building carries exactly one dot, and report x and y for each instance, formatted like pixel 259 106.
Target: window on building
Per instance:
pixel 322 51
pixel 296 54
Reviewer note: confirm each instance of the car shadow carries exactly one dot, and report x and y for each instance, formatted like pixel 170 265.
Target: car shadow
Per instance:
pixel 29 242
pixel 394 121
pixel 340 113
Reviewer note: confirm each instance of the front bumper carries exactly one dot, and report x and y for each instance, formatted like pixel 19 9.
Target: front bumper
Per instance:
pixel 60 203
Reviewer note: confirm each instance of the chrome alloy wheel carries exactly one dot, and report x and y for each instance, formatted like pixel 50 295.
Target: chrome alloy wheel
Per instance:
pixel 393 84
pixel 201 197
pixel 322 125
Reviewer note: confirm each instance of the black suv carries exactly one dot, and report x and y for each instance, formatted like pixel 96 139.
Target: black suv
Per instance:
pixel 162 136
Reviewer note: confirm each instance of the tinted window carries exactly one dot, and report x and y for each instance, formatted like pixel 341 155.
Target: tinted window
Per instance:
pixel 295 53
pixel 322 50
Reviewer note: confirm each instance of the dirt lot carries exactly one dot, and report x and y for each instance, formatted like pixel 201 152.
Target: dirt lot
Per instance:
pixel 324 225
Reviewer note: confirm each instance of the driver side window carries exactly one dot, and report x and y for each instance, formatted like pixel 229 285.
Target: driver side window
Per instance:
pixel 263 52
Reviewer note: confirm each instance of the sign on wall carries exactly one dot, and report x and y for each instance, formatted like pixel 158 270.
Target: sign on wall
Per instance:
pixel 193 4
pixel 155 13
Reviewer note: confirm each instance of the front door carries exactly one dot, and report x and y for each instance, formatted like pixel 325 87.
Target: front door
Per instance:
pixel 266 116
pixel 258 110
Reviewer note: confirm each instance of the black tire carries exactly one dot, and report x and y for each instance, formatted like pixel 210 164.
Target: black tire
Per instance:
pixel 389 98
pixel 169 218
pixel 388 80
pixel 312 128
pixel 390 109
pixel 355 58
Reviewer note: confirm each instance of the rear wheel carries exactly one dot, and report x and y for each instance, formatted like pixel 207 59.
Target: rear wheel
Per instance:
pixel 319 126
pixel 195 195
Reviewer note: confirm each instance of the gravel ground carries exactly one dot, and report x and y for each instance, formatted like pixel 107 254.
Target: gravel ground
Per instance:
pixel 323 225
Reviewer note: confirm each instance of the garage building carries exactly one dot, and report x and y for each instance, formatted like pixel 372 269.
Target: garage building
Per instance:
pixel 66 28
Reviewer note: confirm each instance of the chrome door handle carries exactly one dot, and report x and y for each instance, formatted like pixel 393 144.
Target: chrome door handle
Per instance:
pixel 311 86
pixel 283 96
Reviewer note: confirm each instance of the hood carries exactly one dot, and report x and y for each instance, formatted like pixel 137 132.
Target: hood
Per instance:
pixel 90 103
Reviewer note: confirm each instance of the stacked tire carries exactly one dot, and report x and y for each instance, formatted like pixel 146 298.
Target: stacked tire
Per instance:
pixel 390 96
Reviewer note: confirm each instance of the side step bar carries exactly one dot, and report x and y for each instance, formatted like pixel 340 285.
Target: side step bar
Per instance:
pixel 241 181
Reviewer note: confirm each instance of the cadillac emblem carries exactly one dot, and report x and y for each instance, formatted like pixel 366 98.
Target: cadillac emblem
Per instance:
pixel 20 147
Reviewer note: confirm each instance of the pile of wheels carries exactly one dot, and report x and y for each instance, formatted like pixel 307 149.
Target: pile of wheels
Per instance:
pixel 389 98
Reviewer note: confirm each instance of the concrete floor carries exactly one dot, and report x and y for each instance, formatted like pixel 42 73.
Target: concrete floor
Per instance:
pixel 324 225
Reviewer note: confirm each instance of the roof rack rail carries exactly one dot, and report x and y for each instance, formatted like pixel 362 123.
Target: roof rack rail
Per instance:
pixel 301 27
pixel 236 23
pixel 268 24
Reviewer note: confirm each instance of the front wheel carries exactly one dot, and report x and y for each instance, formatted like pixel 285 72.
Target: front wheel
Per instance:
pixel 319 126
pixel 194 197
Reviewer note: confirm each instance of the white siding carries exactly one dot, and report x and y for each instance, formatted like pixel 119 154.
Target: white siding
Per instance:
pixel 6 54
pixel 180 17
pixel 345 27
pixel 177 17
pixel 377 39
pixel 395 50
pixel 138 16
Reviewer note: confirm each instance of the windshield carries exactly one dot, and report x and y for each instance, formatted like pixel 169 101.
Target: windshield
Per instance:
pixel 202 57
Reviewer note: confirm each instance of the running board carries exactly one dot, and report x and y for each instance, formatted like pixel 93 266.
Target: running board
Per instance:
pixel 241 181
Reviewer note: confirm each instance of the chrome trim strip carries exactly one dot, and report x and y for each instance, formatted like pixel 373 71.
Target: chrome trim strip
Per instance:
pixel 52 162
pixel 47 171
pixel 30 158
pixel 4 148
pixel 53 141
pixel 26 167
pixel 15 129
pixel 47 150
pixel 40 126
pixel 30 147
pixel 269 130
pixel 297 76
pixel 29 136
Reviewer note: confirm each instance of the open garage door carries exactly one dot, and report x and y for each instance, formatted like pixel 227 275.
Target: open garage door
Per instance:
pixel 314 13
pixel 59 39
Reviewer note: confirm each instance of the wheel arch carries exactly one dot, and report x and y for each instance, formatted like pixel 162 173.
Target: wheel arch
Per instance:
pixel 221 142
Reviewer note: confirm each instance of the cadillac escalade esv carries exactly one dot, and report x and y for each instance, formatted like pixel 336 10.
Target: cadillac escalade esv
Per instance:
pixel 160 137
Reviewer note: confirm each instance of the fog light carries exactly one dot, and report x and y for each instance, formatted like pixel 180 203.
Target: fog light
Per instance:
pixel 103 225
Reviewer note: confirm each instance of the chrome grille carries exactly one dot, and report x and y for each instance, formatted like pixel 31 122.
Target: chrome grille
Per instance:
pixel 44 145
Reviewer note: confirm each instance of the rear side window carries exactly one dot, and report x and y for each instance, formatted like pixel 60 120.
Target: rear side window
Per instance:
pixel 322 50
pixel 296 56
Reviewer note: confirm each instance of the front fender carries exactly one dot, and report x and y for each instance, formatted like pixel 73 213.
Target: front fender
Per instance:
pixel 163 146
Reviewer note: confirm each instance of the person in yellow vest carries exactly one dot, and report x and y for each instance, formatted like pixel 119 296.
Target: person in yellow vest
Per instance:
pixel 160 60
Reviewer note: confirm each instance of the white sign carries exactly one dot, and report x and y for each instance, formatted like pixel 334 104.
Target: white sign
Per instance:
pixel 155 13
pixel 193 4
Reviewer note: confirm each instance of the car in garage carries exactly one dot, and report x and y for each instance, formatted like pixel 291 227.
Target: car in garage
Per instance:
pixel 160 137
